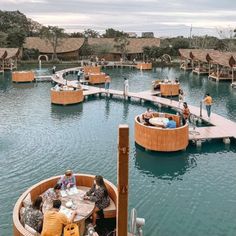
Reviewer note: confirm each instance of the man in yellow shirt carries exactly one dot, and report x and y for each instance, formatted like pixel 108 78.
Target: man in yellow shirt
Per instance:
pixel 208 102
pixel 54 221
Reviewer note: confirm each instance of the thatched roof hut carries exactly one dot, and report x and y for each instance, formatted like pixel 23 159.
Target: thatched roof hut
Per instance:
pixel 69 47
pixel 8 53
pixel 65 45
pixel 185 53
pixel 135 44
pixel 3 53
pixel 222 58
pixel 202 55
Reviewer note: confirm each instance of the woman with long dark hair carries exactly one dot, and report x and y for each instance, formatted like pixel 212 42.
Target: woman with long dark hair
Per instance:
pixel 98 194
pixel 33 215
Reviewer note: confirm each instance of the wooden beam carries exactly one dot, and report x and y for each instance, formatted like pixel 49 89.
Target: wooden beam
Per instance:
pixel 122 179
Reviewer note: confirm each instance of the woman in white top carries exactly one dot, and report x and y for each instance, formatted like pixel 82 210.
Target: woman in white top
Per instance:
pixel 126 86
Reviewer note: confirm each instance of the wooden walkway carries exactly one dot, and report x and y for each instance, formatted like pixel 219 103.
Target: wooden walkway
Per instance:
pixel 221 128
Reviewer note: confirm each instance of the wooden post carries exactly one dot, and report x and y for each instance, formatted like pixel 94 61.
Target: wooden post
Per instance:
pixel 232 74
pixel 122 181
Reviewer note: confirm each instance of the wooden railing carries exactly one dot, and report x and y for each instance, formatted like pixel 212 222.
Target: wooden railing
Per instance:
pixel 161 139
pixel 41 187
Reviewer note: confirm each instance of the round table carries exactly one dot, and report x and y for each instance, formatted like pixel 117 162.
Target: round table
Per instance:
pixel 159 121
pixel 83 207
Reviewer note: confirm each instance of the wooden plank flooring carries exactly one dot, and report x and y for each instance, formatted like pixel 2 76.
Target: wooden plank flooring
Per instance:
pixel 221 127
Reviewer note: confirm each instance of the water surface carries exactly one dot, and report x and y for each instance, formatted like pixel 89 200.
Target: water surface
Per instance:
pixel 192 192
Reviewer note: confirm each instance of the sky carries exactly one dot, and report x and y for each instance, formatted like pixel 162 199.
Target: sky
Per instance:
pixel 166 18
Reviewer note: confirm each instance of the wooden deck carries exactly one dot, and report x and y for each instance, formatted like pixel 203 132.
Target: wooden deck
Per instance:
pixel 221 127
pixel 233 85
pixel 219 78
pixel 43 78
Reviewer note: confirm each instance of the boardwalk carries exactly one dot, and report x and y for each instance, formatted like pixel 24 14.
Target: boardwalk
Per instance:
pixel 221 127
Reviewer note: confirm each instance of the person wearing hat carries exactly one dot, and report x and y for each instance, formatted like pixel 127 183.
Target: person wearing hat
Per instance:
pixel 68 180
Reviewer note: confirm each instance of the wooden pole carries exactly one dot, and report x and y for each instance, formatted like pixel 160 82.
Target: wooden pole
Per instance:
pixel 122 181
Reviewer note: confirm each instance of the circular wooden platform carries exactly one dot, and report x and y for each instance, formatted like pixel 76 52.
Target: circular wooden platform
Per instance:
pixel 41 187
pixel 169 89
pixel 162 139
pixel 22 76
pixel 66 97
pixel 144 66
pixel 97 78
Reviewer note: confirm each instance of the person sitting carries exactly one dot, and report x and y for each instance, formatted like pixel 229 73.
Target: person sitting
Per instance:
pixel 156 84
pixel 147 115
pixel 54 221
pixel 98 194
pixel 33 215
pixel 52 193
pixel 171 123
pixel 58 87
pixel 68 180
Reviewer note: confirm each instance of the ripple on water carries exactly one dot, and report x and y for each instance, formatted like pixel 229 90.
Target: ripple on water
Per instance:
pixel 184 193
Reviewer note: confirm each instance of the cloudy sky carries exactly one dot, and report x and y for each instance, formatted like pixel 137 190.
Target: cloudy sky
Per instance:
pixel 163 17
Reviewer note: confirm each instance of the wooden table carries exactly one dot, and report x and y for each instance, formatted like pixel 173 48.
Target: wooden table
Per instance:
pixel 159 121
pixel 84 208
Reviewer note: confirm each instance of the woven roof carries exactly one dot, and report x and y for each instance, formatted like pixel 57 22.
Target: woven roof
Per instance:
pixel 227 59
pixel 10 52
pixel 65 45
pixel 185 53
pixel 72 44
pixel 202 54
pixel 222 58
pixel 135 44
pixel 3 53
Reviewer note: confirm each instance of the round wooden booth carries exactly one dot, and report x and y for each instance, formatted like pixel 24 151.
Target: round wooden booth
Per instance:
pixel 144 66
pixel 92 69
pixel 157 138
pixel 83 181
pixel 67 96
pixel 169 89
pixel 95 78
pixel 22 76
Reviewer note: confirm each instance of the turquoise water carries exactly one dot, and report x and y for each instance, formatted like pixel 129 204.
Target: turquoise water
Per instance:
pixel 184 193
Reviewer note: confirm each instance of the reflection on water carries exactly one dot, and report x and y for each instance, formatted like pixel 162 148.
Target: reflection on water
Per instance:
pixel 63 112
pixel 125 109
pixel 24 85
pixel 107 107
pixel 5 81
pixel 172 166
pixel 167 166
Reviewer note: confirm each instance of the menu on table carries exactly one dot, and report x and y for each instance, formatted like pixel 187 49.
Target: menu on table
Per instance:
pixel 66 211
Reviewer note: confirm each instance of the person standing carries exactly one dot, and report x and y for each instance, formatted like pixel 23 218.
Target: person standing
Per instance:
pixel 208 103
pixel 79 75
pixel 53 70
pixel 107 82
pixel 181 96
pixel 186 113
pixel 126 86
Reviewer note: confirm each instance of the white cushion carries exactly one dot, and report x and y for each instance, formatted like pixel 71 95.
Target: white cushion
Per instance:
pixel 31 230
pixel 27 201
pixel 22 211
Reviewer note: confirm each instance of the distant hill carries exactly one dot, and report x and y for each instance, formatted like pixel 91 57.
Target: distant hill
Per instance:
pixel 15 27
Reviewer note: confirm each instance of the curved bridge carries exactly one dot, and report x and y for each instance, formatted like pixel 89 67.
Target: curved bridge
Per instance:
pixel 221 128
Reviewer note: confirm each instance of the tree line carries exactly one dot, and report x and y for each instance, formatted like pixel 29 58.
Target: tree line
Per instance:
pixel 15 27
